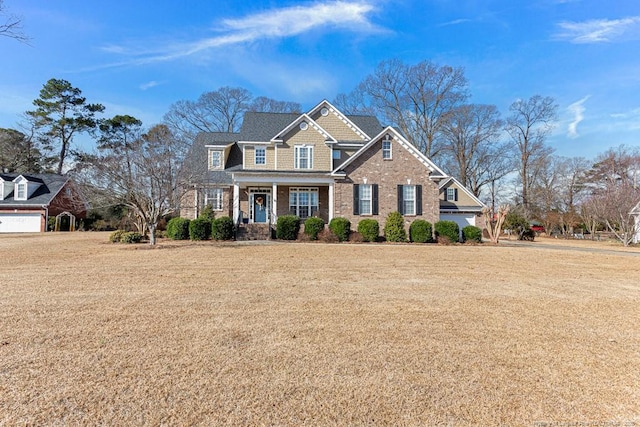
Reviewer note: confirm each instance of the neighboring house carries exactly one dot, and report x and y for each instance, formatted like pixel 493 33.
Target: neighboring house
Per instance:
pixel 27 201
pixel 320 163
pixel 635 213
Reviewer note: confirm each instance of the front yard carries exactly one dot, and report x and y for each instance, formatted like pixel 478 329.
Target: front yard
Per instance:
pixel 315 334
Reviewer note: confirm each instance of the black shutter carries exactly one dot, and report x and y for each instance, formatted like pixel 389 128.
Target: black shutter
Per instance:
pixel 455 194
pixel 374 202
pixel 400 200
pixel 356 199
pixel 418 199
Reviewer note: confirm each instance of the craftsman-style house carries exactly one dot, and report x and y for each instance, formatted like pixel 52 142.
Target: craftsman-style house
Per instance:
pixel 322 163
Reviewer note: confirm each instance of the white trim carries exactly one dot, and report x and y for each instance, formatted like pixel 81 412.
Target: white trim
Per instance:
pixel 274 203
pixel 297 156
pixel 461 187
pixel 236 202
pixel 239 178
pixel 326 104
pixel 331 200
pixel 304 117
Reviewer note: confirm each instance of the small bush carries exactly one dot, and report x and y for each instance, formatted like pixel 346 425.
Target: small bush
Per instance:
pixel 313 226
pixel 178 229
pixel 420 231
pixel 116 236
pixel 200 229
pixel 328 236
pixel 472 233
pixel 207 213
pixel 287 227
pixel 222 228
pixel 370 230
pixel 448 229
pixel 394 228
pixel 341 227
pixel 131 237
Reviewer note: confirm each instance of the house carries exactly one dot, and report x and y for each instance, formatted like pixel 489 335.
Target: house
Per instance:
pixel 635 213
pixel 320 163
pixel 27 201
pixel 459 204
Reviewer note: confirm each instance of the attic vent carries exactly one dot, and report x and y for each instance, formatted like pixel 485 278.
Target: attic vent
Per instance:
pixel 304 126
pixel 324 111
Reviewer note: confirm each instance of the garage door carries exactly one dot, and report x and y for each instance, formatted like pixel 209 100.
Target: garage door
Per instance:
pixel 459 218
pixel 19 222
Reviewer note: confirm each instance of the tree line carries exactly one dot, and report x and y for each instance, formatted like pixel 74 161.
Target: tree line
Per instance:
pixel 500 159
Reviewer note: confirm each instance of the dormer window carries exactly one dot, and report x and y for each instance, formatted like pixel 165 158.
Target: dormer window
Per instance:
pixel 21 191
pixel 215 159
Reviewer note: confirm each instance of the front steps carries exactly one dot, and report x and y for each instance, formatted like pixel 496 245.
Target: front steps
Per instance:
pixel 253 232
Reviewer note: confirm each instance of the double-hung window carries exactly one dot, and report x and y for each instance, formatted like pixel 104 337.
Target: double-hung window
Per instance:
pixel 303 157
pixel 21 191
pixel 452 194
pixel 366 198
pixel 386 149
pixel 410 199
pixel 213 197
pixel 261 156
pixel 215 159
pixel 303 202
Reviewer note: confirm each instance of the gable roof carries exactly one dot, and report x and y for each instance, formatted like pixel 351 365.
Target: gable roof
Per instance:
pixel 303 118
pixel 44 194
pixel 261 127
pixel 216 138
pixel 344 118
pixel 396 136
pixel 458 184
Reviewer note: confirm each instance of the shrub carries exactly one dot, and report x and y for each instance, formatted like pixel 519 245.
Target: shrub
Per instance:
pixel 328 236
pixel 341 227
pixel 287 227
pixel 313 226
pixel 207 213
pixel 394 228
pixel 199 229
pixel 222 228
pixel 178 229
pixel 420 231
pixel 448 229
pixel 471 233
pixel 116 236
pixel 369 229
pixel 131 237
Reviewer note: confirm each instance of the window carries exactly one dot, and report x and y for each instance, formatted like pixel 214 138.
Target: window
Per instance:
pixel 215 159
pixel 303 157
pixel 21 191
pixel 409 199
pixel 261 156
pixel 213 197
pixel 452 195
pixel 337 154
pixel 303 202
pixel 386 150
pixel 365 199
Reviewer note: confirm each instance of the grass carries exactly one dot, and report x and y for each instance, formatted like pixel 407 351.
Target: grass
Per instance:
pixel 314 334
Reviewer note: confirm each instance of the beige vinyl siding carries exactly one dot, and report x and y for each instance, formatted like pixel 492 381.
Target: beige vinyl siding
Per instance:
pixel 336 127
pixel 250 158
pixel 322 160
pixel 463 197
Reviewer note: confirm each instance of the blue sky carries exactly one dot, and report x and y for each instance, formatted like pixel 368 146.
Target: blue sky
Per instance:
pixel 139 57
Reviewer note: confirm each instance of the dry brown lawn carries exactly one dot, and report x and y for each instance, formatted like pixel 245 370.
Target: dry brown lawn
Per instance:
pixel 313 334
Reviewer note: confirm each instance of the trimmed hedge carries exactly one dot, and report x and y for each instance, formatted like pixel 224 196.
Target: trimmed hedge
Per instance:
pixel 370 230
pixel 471 233
pixel 313 226
pixel 222 228
pixel 448 229
pixel 394 228
pixel 420 231
pixel 116 236
pixel 287 227
pixel 341 227
pixel 200 229
pixel 178 229
pixel 131 237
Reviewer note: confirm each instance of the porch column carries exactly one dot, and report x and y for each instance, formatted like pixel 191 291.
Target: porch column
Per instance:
pixel 331 201
pixel 274 203
pixel 236 202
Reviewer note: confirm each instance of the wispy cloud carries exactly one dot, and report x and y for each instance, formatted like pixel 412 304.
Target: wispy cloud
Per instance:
pixel 577 110
pixel 629 119
pixel 598 30
pixel 455 22
pixel 149 85
pixel 280 23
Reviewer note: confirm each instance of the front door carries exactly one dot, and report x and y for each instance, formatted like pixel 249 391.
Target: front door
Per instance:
pixel 260 207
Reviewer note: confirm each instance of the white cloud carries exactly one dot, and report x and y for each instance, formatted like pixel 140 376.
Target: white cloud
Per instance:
pixel 577 110
pixel 598 30
pixel 281 23
pixel 455 22
pixel 629 119
pixel 149 85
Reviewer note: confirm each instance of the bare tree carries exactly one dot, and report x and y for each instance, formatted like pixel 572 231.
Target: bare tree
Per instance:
pixel 613 206
pixel 529 124
pixel 494 221
pixel 11 25
pixel 415 98
pixel 267 105
pixel 471 148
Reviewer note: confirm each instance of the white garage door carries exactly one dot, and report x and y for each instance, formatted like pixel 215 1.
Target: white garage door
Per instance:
pixel 459 218
pixel 19 222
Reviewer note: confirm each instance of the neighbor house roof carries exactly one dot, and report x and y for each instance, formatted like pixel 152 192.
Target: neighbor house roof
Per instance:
pixel 50 186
